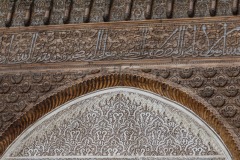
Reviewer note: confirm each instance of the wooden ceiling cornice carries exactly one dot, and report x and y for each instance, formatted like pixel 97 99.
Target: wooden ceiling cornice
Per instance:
pixel 146 82
pixel 45 10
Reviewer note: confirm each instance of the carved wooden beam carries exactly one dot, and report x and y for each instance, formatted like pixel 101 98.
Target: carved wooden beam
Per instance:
pixel 235 7
pixel 48 11
pixel 127 15
pixel 213 8
pixel 28 10
pixel 68 8
pixel 191 8
pixel 11 9
pixel 106 15
pixel 86 17
pixel 169 8
pixel 148 12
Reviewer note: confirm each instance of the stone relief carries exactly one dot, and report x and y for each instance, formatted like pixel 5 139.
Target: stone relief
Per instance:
pixel 119 123
pixel 127 43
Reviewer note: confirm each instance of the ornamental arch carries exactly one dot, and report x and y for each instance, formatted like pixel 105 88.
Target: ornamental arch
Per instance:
pixel 161 88
pixel 52 51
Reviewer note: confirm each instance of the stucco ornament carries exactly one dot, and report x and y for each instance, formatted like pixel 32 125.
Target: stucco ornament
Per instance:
pixel 119 123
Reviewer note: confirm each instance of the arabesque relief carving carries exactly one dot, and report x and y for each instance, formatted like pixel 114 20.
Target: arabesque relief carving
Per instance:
pixel 119 124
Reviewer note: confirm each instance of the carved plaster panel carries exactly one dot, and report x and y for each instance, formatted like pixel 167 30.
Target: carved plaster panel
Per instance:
pixel 118 123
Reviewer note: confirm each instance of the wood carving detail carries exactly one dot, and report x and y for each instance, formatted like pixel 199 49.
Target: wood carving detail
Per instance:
pixel 127 43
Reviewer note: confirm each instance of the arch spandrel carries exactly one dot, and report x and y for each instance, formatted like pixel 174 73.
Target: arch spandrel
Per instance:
pixel 121 123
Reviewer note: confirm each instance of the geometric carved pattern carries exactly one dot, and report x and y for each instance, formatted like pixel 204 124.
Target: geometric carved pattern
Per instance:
pixel 119 123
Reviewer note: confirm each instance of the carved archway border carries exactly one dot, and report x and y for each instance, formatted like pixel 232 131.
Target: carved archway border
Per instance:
pixel 168 90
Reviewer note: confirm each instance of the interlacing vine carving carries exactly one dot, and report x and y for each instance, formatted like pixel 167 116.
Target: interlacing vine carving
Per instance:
pixel 118 124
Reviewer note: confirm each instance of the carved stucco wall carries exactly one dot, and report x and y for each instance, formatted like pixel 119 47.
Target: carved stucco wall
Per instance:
pixel 119 123
pixel 199 55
